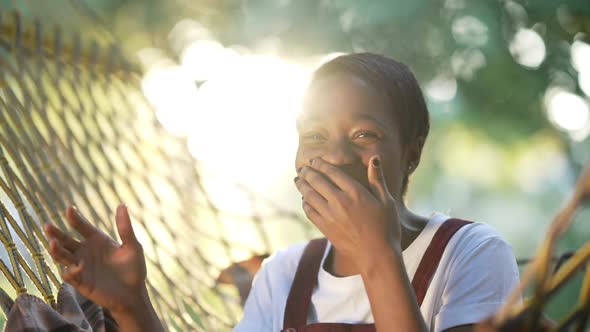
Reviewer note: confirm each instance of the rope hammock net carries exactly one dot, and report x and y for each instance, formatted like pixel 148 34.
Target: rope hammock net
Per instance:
pixel 76 129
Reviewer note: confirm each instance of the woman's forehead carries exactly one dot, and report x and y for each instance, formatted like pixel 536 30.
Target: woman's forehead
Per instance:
pixel 344 96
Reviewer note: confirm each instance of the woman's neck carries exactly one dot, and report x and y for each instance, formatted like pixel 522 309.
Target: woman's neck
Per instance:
pixel 411 226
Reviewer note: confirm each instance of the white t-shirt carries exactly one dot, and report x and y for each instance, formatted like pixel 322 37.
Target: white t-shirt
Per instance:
pixel 476 273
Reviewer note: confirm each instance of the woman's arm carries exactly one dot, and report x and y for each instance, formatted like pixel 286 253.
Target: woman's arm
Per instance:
pixel 390 292
pixel 110 274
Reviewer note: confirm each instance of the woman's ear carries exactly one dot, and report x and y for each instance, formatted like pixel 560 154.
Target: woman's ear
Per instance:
pixel 414 153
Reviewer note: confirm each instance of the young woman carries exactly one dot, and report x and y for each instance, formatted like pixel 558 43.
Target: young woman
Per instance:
pixel 363 125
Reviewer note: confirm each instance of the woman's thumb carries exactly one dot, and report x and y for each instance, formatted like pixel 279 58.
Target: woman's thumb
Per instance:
pixel 377 180
pixel 124 225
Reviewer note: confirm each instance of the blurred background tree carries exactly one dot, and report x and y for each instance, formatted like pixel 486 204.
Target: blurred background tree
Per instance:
pixel 507 82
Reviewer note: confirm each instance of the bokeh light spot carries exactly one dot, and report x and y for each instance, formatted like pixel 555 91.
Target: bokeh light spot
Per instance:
pixel 442 88
pixel 567 111
pixel 528 48
pixel 470 30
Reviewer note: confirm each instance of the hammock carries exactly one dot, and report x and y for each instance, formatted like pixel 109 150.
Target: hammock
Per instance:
pixel 76 129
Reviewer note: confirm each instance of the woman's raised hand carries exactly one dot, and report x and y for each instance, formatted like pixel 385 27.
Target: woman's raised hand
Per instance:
pixel 110 273
pixel 357 220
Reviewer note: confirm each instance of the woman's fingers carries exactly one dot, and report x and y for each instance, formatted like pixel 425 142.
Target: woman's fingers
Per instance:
pixel 65 240
pixel 311 196
pixel 377 180
pixel 320 183
pixel 335 175
pixel 313 215
pixel 79 223
pixel 61 254
pixel 72 274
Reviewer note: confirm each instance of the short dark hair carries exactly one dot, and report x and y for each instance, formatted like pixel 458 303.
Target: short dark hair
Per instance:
pixel 396 82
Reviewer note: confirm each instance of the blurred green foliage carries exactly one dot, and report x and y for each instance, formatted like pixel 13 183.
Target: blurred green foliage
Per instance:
pixel 498 96
pixel 468 39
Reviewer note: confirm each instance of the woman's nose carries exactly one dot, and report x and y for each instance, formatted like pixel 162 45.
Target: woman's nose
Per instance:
pixel 339 153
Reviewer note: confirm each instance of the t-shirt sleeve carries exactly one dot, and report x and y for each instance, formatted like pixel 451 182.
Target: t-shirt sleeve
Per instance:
pixel 257 309
pixel 480 279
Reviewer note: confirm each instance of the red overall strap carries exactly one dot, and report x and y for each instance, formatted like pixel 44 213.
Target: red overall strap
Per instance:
pixel 432 256
pixel 303 284
pixel 299 300
pixel 305 280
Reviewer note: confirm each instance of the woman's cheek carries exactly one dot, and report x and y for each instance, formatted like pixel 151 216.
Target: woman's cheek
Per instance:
pixel 306 153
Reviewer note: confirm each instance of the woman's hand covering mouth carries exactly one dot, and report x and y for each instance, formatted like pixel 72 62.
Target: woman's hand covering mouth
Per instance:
pixel 357 171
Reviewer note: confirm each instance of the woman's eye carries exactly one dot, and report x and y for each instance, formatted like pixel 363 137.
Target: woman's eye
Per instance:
pixel 312 137
pixel 366 134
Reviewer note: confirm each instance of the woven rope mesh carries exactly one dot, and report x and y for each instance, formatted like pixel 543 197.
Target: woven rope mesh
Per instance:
pixel 76 129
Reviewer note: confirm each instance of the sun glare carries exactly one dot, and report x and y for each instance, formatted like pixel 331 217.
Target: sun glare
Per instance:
pixel 172 93
pixel 245 126
pixel 237 110
pixel 203 59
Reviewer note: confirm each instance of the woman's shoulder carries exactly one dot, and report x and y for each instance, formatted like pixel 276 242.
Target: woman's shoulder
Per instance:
pixel 472 234
pixel 480 240
pixel 477 233
pixel 284 261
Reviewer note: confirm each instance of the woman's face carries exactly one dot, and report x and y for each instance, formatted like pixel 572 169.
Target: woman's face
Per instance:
pixel 345 122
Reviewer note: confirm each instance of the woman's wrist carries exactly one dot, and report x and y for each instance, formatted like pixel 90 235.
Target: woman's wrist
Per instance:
pixel 138 315
pixel 381 255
